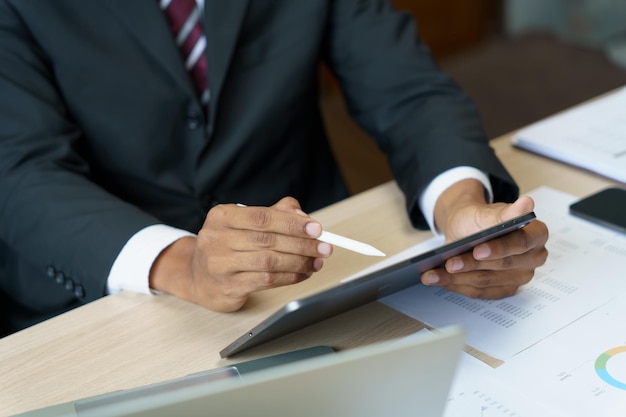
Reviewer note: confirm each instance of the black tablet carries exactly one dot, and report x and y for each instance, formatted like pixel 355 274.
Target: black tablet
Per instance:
pixel 303 312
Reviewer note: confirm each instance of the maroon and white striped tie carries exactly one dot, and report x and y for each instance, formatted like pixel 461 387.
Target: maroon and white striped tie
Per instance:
pixel 185 19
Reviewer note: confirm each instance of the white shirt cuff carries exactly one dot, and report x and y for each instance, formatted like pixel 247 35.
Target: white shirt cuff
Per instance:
pixel 444 180
pixel 131 269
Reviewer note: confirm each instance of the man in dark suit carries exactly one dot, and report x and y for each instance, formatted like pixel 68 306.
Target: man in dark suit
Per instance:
pixel 110 160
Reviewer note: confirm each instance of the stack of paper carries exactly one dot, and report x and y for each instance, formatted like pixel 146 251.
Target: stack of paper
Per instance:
pixel 590 136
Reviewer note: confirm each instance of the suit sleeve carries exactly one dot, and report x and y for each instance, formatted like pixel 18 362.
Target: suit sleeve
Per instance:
pixel 51 214
pixel 395 91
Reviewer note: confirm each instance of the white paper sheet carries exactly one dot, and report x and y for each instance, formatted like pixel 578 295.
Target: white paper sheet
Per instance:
pixel 477 392
pixel 580 369
pixel 592 136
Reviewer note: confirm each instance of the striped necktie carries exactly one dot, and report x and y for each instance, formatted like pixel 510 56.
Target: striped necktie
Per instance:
pixel 185 19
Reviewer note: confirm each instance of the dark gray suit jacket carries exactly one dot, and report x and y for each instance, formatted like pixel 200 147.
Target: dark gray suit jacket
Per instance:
pixel 101 133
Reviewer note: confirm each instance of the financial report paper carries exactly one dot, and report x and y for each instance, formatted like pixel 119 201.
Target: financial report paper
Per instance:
pixel 590 136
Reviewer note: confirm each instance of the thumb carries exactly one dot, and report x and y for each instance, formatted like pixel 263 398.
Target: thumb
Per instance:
pixel 501 212
pixel 521 206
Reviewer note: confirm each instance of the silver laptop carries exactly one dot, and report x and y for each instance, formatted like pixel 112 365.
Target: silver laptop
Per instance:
pixel 405 377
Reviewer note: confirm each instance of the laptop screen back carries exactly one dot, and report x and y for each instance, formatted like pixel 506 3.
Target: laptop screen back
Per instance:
pixel 407 377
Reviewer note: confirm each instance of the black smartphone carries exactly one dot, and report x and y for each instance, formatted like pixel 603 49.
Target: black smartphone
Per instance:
pixel 606 207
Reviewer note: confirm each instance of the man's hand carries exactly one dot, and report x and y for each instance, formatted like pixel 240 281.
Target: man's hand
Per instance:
pixel 494 269
pixel 240 250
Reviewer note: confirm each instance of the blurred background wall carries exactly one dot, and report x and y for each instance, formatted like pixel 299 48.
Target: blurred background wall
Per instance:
pixel 597 23
pixel 520 60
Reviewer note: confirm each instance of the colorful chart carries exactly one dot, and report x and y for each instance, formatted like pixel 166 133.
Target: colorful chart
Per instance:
pixel 603 373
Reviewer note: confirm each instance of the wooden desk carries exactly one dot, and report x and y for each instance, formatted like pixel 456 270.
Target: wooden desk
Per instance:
pixel 129 340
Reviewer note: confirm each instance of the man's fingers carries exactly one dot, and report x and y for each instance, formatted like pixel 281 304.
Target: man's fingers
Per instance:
pixel 497 268
pixel 263 219
pixel 251 241
pixel 529 239
pixel 273 262
pixel 248 272
pixel 467 263
pixel 478 278
pixel 261 262
pixel 520 249
pixel 479 284
pixel 257 281
pixel 242 249
pixel 477 219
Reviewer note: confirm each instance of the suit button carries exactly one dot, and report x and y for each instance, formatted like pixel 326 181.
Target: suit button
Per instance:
pixel 194 120
pixel 51 272
pixel 69 284
pixel 59 278
pixel 79 291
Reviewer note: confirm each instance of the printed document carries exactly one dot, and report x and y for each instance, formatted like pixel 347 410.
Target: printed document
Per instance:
pixel 581 369
pixel 591 136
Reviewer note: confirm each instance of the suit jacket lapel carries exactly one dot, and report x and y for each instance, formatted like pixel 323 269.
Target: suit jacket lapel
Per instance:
pixel 223 20
pixel 148 25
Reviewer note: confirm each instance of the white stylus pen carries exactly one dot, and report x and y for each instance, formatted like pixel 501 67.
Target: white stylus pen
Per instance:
pixel 351 244
pixel 345 242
